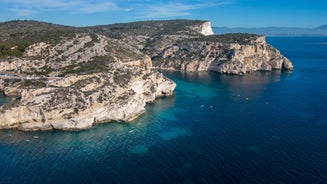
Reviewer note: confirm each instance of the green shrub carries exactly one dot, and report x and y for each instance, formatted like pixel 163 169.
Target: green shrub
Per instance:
pixel 240 38
pixel 34 83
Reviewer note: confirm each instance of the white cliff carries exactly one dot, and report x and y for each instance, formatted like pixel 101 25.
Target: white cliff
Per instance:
pixel 79 101
pixel 223 57
pixel 78 77
pixel 206 29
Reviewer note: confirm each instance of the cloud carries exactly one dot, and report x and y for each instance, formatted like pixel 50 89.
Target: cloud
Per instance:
pixel 23 12
pixel 101 7
pixel 172 9
pixel 176 9
pixel 143 9
pixel 42 4
pixel 81 6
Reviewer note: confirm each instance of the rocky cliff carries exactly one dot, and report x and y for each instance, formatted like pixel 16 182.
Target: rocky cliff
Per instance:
pixel 191 46
pixel 71 78
pixel 232 56
pixel 79 101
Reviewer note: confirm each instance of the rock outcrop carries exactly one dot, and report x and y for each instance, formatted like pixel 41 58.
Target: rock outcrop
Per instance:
pixel 206 29
pixel 69 78
pixel 230 57
pixel 77 102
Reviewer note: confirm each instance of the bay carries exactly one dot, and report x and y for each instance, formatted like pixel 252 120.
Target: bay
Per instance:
pixel 264 127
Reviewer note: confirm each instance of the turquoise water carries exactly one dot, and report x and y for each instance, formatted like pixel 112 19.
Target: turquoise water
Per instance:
pixel 266 127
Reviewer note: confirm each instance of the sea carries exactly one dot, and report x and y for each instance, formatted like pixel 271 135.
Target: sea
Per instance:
pixel 263 127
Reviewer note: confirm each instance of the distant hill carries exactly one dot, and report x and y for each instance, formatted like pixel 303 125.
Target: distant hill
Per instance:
pixel 324 27
pixel 275 31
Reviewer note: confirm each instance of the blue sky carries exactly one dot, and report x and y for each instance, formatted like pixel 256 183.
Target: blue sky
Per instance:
pixel 231 13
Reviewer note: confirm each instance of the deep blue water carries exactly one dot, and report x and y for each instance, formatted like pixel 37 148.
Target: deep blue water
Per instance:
pixel 265 127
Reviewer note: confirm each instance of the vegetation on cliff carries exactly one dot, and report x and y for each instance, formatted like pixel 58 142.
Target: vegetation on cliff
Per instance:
pixel 70 78
pixel 13 32
pixel 148 28
pixel 239 38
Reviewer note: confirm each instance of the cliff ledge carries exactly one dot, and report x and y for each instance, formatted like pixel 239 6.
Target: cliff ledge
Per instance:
pixel 70 78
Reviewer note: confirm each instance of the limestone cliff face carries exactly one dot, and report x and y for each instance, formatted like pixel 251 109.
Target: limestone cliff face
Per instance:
pixel 206 29
pixel 222 57
pixel 203 28
pixel 72 78
pixel 63 57
pixel 79 101
pixel 78 82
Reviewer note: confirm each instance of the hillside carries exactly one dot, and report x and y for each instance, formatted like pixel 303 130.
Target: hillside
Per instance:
pixel 71 78
pixel 21 34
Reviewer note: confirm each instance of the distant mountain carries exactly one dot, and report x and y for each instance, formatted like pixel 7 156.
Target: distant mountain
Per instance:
pixel 275 31
pixel 324 27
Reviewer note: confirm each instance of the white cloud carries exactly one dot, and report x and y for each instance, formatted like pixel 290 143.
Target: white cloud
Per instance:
pixel 101 7
pixel 171 9
pixel 82 6
pixel 145 8
pixel 176 9
pixel 41 4
pixel 23 12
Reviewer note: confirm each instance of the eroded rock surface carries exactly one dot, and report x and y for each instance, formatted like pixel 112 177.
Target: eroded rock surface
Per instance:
pixel 70 78
pixel 231 57
pixel 79 101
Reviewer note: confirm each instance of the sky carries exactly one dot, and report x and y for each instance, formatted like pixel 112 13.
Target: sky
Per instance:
pixel 229 13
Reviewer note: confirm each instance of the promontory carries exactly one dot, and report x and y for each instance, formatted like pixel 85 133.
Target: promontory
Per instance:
pixel 70 78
